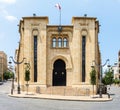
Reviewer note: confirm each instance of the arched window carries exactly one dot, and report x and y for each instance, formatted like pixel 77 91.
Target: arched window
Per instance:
pixel 59 42
pixel 65 42
pixel 54 42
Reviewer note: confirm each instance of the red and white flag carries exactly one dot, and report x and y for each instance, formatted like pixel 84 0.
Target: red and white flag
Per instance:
pixel 58 6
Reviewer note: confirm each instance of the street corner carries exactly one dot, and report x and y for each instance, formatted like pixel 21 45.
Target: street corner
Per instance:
pixel 104 98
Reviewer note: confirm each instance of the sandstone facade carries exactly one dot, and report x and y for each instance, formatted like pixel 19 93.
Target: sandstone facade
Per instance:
pixel 3 64
pixel 59 56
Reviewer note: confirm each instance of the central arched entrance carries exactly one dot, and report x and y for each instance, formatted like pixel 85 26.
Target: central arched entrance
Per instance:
pixel 59 73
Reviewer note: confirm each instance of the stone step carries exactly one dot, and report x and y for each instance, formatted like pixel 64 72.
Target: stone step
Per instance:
pixel 67 91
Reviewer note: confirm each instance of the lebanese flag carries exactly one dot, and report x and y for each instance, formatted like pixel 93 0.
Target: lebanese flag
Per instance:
pixel 58 6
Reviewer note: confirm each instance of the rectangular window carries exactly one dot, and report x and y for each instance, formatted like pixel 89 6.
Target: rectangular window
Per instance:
pixel 83 58
pixel 35 58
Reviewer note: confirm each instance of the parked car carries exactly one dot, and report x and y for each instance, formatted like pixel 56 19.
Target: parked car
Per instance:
pixel 1 82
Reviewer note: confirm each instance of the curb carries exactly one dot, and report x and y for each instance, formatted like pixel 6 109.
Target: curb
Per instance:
pixel 65 98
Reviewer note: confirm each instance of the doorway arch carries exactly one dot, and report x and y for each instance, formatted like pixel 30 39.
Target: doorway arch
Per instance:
pixel 59 73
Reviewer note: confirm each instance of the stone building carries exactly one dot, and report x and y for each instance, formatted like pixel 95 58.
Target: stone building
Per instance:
pixel 60 57
pixel 119 64
pixel 3 64
pixel 116 68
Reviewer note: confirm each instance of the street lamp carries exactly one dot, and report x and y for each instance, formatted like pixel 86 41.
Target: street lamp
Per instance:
pixel 11 70
pixel 100 66
pixel 1 69
pixel 17 62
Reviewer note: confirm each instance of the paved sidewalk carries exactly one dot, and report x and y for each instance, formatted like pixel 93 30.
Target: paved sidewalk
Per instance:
pixel 59 97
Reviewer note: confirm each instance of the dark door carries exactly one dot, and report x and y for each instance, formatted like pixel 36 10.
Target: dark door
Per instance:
pixel 59 73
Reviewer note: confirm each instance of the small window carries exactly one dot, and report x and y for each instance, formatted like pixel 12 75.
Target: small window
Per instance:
pixel 65 42
pixel 59 42
pixel 54 42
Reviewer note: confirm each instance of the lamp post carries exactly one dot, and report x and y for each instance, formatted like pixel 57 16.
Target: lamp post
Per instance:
pixel 16 62
pixel 11 70
pixel 100 66
pixel 1 69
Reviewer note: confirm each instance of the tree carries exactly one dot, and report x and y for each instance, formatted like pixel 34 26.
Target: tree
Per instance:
pixel 93 78
pixel 7 75
pixel 108 78
pixel 27 77
pixel 116 81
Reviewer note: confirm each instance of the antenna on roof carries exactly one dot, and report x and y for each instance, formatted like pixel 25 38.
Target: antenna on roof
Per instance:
pixel 34 14
pixel 85 15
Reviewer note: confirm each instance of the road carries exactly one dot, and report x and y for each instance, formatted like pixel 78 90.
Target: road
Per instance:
pixel 11 103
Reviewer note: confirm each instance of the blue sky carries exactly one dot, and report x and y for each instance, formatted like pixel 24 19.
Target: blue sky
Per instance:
pixel 106 11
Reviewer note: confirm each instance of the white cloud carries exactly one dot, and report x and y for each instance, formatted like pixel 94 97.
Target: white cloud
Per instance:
pixel 11 18
pixel 3 11
pixel 8 1
pixel 6 15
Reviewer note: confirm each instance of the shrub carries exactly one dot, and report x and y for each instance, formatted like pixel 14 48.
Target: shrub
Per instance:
pixel 7 75
pixel 27 75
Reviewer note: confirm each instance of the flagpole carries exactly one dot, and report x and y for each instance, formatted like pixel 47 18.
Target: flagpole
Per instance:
pixel 60 27
pixel 60 17
pixel 59 7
